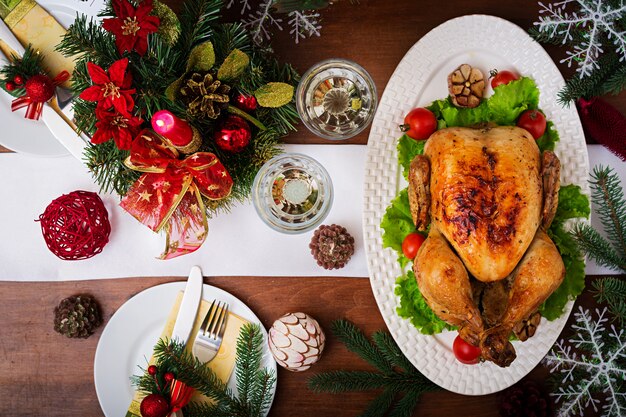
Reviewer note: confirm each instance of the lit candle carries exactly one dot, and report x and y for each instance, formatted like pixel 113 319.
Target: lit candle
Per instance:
pixel 175 129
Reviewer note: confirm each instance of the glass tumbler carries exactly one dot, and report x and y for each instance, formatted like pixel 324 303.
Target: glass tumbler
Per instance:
pixel 292 193
pixel 336 99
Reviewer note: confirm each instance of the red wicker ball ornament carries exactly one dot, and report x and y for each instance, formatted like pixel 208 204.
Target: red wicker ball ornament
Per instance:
pixel 76 225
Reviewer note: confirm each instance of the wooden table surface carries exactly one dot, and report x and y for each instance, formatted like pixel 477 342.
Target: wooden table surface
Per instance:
pixel 45 374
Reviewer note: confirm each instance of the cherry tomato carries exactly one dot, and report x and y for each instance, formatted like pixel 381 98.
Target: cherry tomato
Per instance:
pixel 502 77
pixel 419 123
pixel 534 121
pixel 411 244
pixel 464 352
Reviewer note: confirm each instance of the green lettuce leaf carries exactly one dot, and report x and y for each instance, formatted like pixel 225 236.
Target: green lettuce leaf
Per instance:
pixel 413 306
pixel 396 224
pixel 572 204
pixel 408 148
pixel 548 141
pixel 510 100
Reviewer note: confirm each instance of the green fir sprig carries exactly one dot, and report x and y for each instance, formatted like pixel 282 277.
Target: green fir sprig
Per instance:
pixel 612 291
pixel 255 384
pixel 608 196
pixel 401 382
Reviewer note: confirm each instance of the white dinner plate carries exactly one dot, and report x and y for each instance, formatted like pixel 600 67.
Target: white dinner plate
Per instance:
pixel 30 136
pixel 486 42
pixel 130 335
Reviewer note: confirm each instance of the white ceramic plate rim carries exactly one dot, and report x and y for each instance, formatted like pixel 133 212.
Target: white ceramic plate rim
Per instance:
pixel 487 42
pixel 131 333
pixel 29 136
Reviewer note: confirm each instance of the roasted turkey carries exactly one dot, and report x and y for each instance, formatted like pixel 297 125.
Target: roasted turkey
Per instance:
pixel 487 264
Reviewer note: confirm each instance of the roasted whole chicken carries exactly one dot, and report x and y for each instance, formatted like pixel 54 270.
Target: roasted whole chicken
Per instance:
pixel 487 264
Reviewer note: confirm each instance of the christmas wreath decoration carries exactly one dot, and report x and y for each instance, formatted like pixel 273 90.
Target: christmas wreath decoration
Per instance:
pixel 228 100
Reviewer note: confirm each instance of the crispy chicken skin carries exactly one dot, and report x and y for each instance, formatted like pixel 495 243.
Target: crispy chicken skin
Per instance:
pixel 486 195
pixel 487 263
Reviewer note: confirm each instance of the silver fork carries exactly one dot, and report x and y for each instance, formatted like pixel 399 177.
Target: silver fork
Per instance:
pixel 209 337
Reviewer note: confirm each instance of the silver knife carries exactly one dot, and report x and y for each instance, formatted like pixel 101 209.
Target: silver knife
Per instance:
pixel 188 306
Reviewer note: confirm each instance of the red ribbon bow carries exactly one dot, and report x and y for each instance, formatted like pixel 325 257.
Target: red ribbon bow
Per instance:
pixel 169 193
pixel 180 394
pixel 34 108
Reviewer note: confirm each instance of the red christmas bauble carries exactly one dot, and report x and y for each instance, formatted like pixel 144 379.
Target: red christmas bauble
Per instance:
pixel 76 225
pixel 9 86
pixel 18 79
pixel 154 405
pixel 234 134
pixel 246 103
pixel 39 88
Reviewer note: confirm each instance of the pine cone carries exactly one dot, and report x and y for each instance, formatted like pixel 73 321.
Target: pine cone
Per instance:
pixel 332 246
pixel 77 316
pixel 204 95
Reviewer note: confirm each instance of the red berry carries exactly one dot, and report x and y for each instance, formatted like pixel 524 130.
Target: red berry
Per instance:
pixel 9 86
pixel 18 79
pixel 168 377
pixel 152 369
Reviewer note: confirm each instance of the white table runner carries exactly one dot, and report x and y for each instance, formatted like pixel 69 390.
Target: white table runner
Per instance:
pixel 238 242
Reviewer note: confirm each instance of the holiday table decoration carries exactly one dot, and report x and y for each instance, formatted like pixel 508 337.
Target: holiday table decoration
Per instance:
pixel 26 79
pixel 77 316
pixel 592 366
pixel 296 341
pixel 332 246
pixel 76 225
pixel 146 67
pixel 395 373
pixel 595 31
pixel 604 124
pixel 177 373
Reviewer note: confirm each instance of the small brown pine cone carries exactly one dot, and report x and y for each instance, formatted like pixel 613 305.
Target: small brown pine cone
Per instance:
pixel 332 246
pixel 77 316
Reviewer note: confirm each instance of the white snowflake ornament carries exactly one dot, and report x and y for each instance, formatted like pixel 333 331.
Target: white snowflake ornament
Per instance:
pixel 599 370
pixel 586 28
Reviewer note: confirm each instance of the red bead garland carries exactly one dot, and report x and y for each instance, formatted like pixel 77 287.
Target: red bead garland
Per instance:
pixel 76 225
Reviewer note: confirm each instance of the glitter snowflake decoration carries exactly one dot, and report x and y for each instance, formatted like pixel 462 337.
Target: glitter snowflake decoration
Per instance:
pixel 599 370
pixel 263 20
pixel 588 28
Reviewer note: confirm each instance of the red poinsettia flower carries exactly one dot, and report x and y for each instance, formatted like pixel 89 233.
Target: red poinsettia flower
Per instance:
pixel 121 127
pixel 132 26
pixel 112 89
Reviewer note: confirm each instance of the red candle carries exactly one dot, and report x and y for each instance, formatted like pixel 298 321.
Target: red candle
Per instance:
pixel 171 127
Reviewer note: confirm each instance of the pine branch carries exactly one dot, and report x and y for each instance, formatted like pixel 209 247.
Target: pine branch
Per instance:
pixel 609 66
pixel 383 354
pixel 596 247
pixel 228 37
pixel 249 359
pixel 607 192
pixel 355 341
pixel 196 20
pixel 105 161
pixel 29 64
pixel 336 382
pixel 378 406
pixel 391 351
pixel 612 291
pixel 406 405
pixel 87 40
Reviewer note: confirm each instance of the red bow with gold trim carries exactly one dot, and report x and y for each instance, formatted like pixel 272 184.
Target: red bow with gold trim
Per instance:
pixel 169 193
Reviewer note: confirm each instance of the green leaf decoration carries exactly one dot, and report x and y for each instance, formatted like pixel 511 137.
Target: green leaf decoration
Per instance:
pixel 169 28
pixel 402 383
pixel 274 94
pixel 201 57
pixel 233 66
